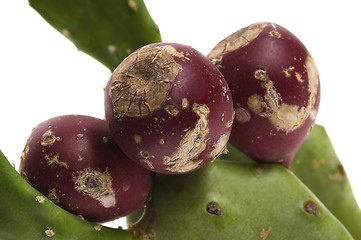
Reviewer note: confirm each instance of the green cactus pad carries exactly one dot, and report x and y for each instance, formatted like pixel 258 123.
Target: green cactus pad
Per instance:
pixel 27 214
pixel 230 200
pixel 108 31
pixel 317 166
pixel 235 155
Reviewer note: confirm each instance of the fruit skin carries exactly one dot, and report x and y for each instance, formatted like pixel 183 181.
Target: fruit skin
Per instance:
pixel 318 167
pixel 169 108
pixel 73 160
pixel 107 32
pixel 229 200
pixel 275 88
pixel 27 214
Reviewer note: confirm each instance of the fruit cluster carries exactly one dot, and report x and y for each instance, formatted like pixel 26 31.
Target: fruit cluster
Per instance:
pixel 171 110
pixel 191 147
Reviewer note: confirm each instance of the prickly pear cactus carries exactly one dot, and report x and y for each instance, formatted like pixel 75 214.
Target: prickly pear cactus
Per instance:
pixel 319 168
pixel 27 214
pixel 108 31
pixel 230 200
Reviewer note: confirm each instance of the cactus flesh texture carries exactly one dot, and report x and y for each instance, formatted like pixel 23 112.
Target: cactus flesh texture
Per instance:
pixel 230 200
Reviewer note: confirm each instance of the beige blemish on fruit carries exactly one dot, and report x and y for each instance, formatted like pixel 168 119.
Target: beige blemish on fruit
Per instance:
pixel 260 74
pixel 148 163
pixel 25 150
pixel 288 117
pixel 235 41
pixel 48 138
pixel 192 144
pixel 172 51
pixel 105 139
pixel 172 110
pixel 272 97
pixel 229 123
pixel 55 160
pixel 140 84
pixel 53 196
pixel 137 139
pixel 242 115
pixel 284 117
pixel 97 185
pixel 287 71
pixel 220 146
pixel 49 233
pixel 145 154
pixel 299 77
pixel 256 105
pixel 185 103
pixel 275 34
pixel 313 82
pixel 265 232
pixel 80 135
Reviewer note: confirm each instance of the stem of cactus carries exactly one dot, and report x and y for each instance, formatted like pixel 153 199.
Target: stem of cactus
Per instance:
pixel 27 214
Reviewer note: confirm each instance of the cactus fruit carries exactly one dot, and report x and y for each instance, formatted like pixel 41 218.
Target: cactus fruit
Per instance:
pixel 27 214
pixel 106 31
pixel 74 161
pixel 318 167
pixel 275 89
pixel 229 200
pixel 169 108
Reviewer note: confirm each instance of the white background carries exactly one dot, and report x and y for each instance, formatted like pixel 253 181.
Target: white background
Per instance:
pixel 42 74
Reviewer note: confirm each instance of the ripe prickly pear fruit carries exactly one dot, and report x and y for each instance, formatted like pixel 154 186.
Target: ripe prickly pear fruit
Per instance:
pixel 228 200
pixel 169 108
pixel 275 89
pixel 74 161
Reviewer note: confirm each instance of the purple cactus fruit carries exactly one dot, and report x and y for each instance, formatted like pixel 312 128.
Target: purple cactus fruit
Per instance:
pixel 73 160
pixel 169 108
pixel 275 89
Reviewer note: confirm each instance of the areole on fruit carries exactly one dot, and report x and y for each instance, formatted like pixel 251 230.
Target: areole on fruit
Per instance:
pixel 141 83
pixel 97 185
pixel 235 41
